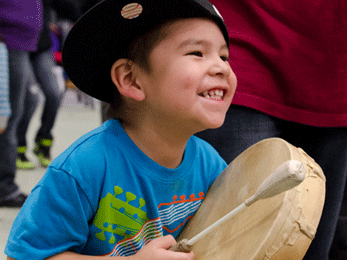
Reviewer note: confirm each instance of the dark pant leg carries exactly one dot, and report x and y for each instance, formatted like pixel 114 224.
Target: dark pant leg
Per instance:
pixel 338 249
pixel 328 147
pixel 30 104
pixel 44 64
pixel 18 67
pixel 242 128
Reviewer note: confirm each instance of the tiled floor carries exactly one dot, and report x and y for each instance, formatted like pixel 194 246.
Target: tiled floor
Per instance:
pixel 74 120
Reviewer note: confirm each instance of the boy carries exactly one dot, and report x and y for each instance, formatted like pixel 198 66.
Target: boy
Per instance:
pixel 127 188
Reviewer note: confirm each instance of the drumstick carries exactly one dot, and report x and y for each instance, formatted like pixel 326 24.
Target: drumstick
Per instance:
pixel 288 175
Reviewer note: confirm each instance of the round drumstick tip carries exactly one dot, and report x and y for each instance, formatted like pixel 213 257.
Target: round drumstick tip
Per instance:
pixel 286 176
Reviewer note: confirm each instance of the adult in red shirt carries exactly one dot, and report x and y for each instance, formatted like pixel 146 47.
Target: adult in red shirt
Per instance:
pixel 290 59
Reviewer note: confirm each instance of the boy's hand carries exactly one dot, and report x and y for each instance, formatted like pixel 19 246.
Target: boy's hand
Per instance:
pixel 158 250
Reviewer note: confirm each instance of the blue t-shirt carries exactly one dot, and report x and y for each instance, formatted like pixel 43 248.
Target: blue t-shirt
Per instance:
pixel 104 196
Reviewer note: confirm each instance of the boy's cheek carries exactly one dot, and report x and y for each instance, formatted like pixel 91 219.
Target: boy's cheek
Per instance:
pixel 233 83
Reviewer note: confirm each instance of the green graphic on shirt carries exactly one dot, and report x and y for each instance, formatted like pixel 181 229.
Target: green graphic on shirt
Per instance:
pixel 119 217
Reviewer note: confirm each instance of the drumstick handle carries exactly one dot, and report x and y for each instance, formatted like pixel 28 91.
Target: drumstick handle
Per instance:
pixel 217 223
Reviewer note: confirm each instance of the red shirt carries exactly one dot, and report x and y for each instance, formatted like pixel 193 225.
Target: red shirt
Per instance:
pixel 290 58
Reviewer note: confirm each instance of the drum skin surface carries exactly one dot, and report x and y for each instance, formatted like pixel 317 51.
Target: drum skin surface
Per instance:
pixel 281 227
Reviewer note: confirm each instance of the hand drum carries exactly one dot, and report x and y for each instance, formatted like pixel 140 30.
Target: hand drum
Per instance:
pixel 281 227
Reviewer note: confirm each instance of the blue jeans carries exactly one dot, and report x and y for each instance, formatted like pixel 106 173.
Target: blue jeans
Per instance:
pixel 31 101
pixel 244 127
pixel 43 65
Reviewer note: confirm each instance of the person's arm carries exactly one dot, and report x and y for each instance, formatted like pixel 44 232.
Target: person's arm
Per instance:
pixel 154 250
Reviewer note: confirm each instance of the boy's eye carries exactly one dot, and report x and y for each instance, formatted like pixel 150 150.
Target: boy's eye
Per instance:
pixel 224 58
pixel 195 53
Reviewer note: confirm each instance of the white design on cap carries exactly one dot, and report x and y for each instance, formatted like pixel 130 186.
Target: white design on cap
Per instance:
pixel 215 8
pixel 131 11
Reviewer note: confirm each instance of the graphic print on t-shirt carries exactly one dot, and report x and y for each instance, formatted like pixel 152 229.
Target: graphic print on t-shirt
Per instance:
pixel 175 214
pixel 128 226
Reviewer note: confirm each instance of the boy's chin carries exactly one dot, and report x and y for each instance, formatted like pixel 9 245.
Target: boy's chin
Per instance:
pixel 209 124
pixel 217 123
pixel 214 125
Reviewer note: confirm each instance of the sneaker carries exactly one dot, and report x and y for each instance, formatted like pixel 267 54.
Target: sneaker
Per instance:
pixel 22 162
pixel 15 200
pixel 42 150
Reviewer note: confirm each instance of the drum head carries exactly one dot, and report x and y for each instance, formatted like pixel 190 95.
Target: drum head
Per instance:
pixel 280 227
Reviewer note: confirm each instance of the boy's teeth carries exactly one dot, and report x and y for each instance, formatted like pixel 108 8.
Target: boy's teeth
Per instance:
pixel 205 94
pixel 216 94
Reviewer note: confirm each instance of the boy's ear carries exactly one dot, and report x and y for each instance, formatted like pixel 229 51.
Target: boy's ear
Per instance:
pixel 123 76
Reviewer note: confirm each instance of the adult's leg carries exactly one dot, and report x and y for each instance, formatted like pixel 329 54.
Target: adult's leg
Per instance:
pixel 44 64
pixel 338 249
pixel 18 68
pixel 242 128
pixel 31 101
pixel 30 104
pixel 328 147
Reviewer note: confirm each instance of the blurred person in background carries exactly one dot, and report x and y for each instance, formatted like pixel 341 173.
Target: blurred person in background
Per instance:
pixel 20 26
pixel 44 73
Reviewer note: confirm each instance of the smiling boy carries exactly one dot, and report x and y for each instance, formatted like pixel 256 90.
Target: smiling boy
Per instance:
pixel 128 188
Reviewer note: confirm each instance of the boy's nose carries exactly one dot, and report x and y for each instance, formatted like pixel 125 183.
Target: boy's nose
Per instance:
pixel 220 67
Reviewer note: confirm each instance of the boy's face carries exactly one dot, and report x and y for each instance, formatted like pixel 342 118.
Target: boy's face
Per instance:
pixel 190 83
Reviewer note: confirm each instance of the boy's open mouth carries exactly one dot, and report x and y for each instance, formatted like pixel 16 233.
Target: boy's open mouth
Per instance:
pixel 215 94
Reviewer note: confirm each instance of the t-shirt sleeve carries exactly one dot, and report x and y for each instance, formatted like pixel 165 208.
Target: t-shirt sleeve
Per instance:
pixel 219 166
pixel 54 219
pixel 210 160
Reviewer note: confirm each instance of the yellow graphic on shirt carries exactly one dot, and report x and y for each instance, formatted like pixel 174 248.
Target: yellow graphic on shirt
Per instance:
pixel 119 217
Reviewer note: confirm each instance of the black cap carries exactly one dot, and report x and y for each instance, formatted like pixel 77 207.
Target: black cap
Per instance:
pixel 104 33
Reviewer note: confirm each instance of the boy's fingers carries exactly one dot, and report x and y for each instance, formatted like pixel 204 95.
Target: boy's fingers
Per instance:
pixel 180 256
pixel 166 241
pixel 161 246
